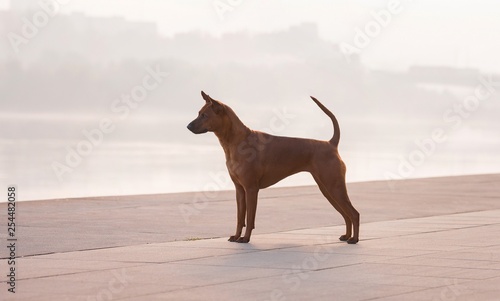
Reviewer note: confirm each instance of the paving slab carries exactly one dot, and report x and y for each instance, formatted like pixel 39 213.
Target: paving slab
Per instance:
pixel 144 249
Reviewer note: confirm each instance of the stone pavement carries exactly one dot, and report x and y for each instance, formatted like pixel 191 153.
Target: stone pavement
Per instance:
pixel 425 239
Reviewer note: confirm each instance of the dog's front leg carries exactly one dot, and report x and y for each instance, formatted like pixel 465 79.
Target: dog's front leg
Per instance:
pixel 251 195
pixel 241 213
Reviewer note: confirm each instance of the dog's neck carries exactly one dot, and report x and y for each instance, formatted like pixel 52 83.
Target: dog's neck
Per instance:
pixel 233 132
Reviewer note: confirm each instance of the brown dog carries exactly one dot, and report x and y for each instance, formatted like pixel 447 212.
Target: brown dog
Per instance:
pixel 256 160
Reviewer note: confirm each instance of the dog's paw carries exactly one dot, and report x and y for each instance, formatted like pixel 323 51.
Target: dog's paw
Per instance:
pixel 243 240
pixel 233 238
pixel 344 238
pixel 352 241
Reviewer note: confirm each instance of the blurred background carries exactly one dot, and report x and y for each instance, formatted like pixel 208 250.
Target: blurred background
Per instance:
pixel 95 95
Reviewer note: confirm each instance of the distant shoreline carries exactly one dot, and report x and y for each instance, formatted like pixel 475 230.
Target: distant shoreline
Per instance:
pixel 230 191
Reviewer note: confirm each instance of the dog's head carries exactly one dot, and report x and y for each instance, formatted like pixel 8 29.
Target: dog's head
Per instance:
pixel 210 118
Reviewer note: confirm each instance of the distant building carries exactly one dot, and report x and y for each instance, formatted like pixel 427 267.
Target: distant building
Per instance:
pixel 88 37
pixel 110 25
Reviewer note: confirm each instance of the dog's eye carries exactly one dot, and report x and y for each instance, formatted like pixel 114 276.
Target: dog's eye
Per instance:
pixel 204 115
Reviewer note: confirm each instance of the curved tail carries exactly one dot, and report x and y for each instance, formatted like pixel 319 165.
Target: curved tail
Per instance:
pixel 336 129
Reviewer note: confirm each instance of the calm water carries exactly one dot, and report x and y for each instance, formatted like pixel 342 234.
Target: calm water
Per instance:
pixel 148 168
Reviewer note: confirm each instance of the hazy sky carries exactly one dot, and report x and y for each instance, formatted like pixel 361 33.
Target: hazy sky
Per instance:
pixel 445 32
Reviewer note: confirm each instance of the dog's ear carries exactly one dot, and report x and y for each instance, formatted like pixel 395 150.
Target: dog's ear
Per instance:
pixel 217 106
pixel 206 97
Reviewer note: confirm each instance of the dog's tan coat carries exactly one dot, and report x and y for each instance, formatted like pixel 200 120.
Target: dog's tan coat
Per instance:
pixel 256 160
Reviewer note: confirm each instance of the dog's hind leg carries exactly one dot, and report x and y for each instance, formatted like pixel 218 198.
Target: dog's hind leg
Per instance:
pixel 341 195
pixel 335 186
pixel 348 222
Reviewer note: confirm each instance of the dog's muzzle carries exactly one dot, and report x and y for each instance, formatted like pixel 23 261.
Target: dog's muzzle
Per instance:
pixel 193 129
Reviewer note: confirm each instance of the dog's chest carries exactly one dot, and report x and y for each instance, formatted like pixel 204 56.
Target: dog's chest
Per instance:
pixel 239 165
